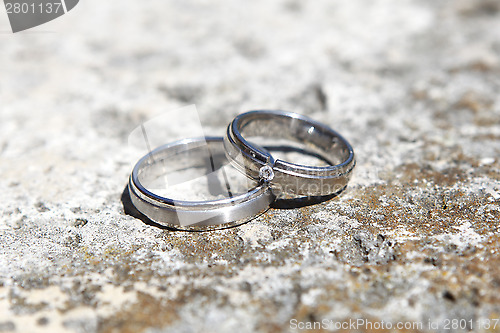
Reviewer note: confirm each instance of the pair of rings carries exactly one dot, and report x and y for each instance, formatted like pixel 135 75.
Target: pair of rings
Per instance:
pixel 270 177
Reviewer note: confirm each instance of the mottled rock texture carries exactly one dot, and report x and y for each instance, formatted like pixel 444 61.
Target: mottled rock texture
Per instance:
pixel 414 85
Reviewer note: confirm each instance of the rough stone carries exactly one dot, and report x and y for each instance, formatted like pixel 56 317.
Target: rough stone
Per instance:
pixel 412 84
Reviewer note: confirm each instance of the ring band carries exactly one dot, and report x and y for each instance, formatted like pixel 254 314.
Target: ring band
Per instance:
pixel 285 177
pixel 193 215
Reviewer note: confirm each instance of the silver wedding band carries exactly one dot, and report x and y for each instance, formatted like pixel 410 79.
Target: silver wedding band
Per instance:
pixel 192 215
pixel 283 176
pixel 269 177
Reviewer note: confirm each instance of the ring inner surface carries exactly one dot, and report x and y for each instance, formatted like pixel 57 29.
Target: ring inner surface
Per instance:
pixel 312 138
pixel 194 172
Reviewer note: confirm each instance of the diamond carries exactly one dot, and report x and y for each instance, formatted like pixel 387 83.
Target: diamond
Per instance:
pixel 266 173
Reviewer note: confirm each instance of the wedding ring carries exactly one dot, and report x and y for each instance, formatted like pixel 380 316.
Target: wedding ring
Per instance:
pixel 285 177
pixel 163 168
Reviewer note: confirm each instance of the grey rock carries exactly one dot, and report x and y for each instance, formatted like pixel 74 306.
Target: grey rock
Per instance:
pixel 412 84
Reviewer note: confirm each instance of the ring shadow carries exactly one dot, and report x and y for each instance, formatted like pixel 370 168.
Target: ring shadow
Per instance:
pixel 305 201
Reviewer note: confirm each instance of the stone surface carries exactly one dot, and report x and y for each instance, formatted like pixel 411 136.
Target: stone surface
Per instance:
pixel 412 84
